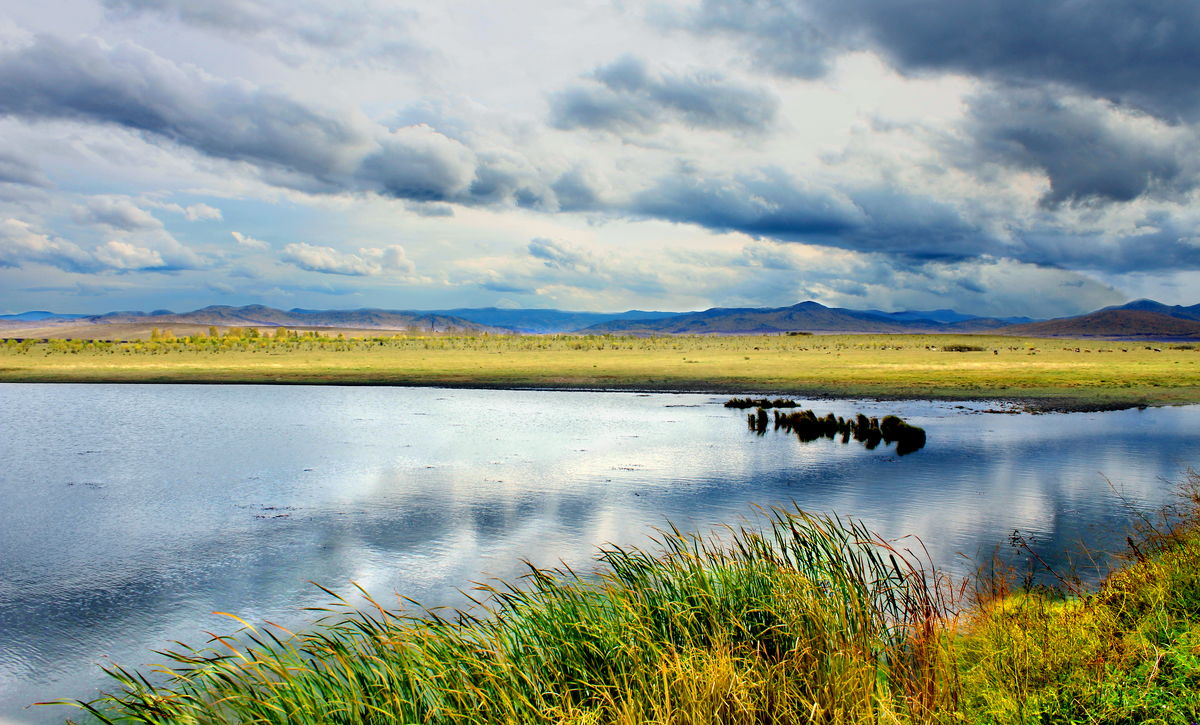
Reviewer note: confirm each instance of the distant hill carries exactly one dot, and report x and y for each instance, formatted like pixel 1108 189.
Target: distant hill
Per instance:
pixel 263 316
pixel 1137 319
pixel 38 315
pixel 1128 323
pixel 542 321
pixel 362 319
pixel 804 317
pixel 944 316
pixel 1176 311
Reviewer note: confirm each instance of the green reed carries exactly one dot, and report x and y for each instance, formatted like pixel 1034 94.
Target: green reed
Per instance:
pixel 792 618
pixel 807 618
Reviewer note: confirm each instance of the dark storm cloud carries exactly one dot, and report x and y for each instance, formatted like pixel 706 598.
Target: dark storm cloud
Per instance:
pixel 911 230
pixel 1140 53
pixel 771 204
pixel 781 37
pixel 359 32
pixel 1086 156
pixel 1044 59
pixel 15 168
pixel 132 87
pixel 291 142
pixel 628 95
pixel 1162 243
pixel 766 203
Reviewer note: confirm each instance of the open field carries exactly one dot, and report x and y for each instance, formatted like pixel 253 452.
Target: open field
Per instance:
pixel 1050 372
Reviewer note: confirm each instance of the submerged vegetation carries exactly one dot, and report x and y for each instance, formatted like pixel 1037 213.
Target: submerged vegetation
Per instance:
pixel 743 403
pixel 803 619
pixel 869 431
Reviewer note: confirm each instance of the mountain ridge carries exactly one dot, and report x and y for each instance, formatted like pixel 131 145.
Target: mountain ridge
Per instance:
pixel 806 316
pixel 1139 318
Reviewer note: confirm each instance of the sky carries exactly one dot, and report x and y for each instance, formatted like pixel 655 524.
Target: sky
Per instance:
pixel 999 157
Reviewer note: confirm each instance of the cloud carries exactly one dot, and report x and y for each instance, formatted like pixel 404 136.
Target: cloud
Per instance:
pixel 430 209
pixel 132 87
pixel 15 168
pixel 781 37
pixel 1140 54
pixel 1088 150
pixel 561 256
pixel 117 213
pixel 314 148
pixel 369 262
pixel 193 212
pixel 124 256
pixel 780 274
pixel 250 243
pixel 20 245
pixel 219 287
pixel 349 33
pixel 245 270
pixel 202 212
pixel 83 289
pixel 418 163
pixel 628 95
pixel 766 202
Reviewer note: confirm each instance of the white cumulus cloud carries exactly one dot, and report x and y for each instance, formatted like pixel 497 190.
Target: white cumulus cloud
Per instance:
pixel 123 255
pixel 251 242
pixel 369 262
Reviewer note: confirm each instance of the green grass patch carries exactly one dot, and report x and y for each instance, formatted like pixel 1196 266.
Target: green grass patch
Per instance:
pixel 800 619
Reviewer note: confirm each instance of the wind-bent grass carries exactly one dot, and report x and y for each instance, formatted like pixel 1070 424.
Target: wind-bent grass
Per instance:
pixel 808 620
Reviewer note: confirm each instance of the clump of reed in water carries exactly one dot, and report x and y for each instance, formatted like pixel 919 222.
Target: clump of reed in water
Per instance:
pixel 759 403
pixel 806 619
pixel 758 421
pixel 806 426
pixel 908 438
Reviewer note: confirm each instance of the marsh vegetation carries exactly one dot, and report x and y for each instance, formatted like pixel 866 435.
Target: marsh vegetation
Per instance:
pixel 806 426
pixel 790 618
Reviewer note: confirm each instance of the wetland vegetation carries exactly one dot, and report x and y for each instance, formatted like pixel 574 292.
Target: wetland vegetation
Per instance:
pixel 806 426
pixel 792 618
pixel 1045 372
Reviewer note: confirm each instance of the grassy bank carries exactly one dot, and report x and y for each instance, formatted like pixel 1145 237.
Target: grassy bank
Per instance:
pixel 912 366
pixel 804 619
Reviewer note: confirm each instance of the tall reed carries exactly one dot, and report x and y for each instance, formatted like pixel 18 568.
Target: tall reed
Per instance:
pixel 791 618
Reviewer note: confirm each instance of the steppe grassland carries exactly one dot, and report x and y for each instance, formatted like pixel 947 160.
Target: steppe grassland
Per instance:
pixel 891 365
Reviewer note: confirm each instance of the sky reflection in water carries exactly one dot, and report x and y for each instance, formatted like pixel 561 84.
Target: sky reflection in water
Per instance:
pixel 131 513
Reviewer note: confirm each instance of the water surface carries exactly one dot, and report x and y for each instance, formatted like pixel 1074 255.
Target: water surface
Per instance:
pixel 130 513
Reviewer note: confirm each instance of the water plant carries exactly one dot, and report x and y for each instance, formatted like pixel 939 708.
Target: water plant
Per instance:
pixel 759 403
pixel 793 618
pixel 788 618
pixel 806 426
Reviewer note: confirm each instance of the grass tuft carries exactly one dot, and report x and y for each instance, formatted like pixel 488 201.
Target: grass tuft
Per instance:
pixel 794 619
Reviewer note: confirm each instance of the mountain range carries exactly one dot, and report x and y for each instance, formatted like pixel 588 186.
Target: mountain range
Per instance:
pixel 1140 318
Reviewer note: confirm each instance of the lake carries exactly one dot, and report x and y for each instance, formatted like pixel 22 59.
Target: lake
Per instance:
pixel 129 514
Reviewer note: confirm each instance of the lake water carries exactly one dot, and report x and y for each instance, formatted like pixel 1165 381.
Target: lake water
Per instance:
pixel 129 514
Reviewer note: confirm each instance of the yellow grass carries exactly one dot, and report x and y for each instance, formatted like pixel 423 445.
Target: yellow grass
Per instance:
pixel 853 365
